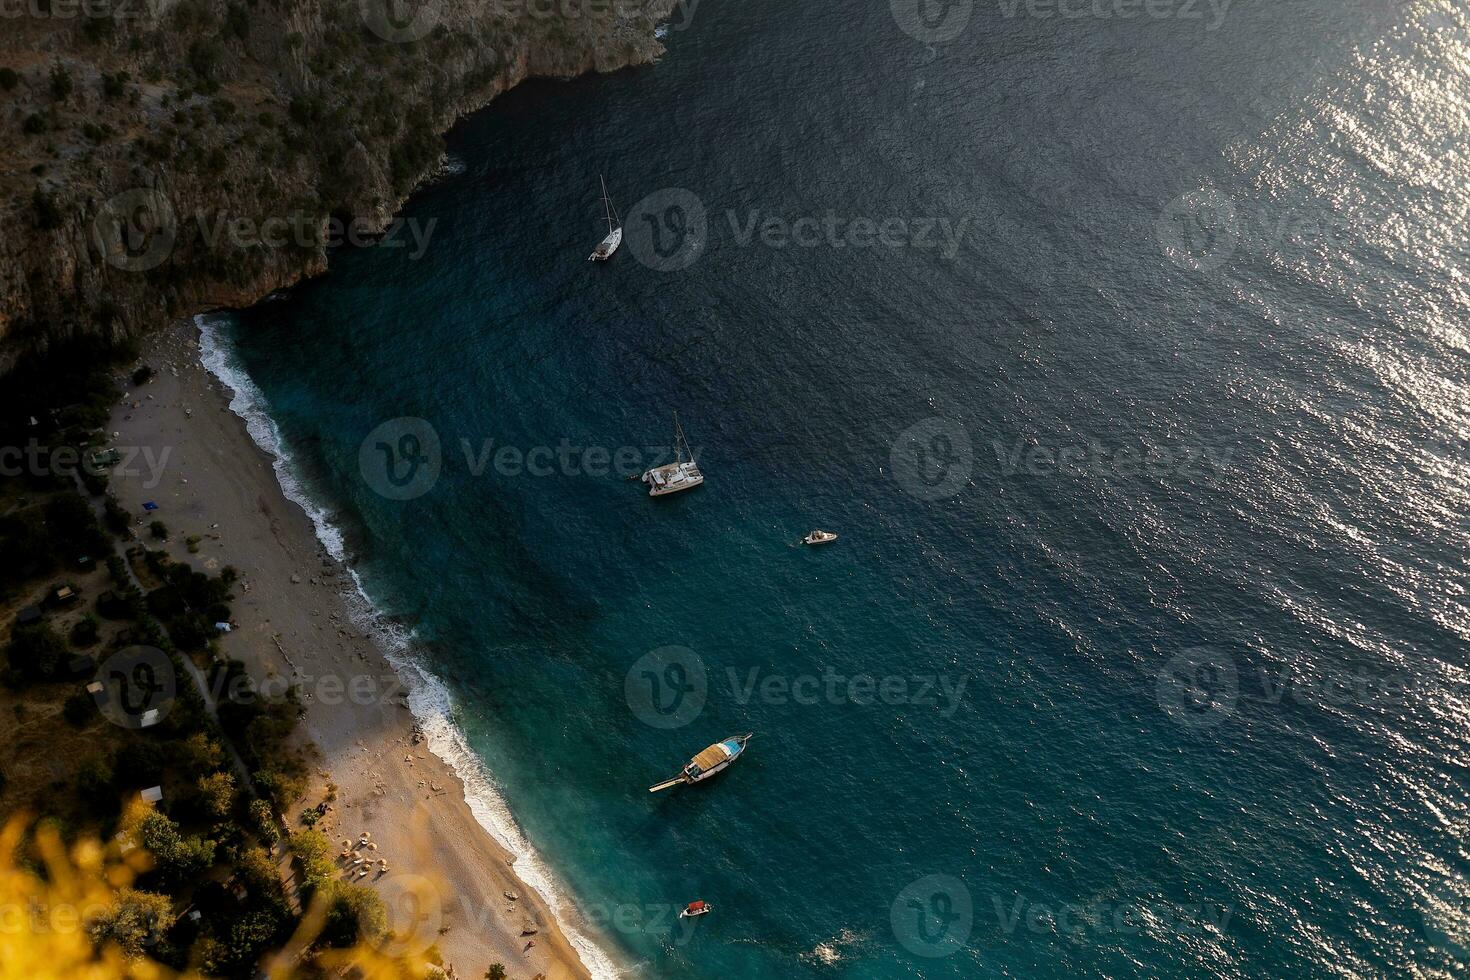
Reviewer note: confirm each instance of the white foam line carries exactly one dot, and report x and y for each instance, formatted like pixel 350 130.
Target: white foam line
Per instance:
pixel 428 699
pixel 249 403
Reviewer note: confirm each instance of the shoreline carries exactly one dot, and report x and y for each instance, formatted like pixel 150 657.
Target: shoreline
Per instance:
pixel 375 723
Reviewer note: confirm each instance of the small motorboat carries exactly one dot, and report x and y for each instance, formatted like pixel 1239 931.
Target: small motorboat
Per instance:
pixel 695 909
pixel 819 537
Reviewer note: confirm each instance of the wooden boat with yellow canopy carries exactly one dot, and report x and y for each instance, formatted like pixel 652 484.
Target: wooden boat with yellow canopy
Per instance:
pixel 715 759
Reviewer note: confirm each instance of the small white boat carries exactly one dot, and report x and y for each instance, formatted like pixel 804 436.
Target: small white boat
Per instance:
pixel 608 245
pixel 712 761
pixel 695 909
pixel 681 474
pixel 819 537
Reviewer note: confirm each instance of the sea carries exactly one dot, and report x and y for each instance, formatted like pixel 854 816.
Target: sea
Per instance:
pixel 1125 346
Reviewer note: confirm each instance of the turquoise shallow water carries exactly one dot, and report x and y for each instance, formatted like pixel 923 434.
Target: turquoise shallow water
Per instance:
pixel 1151 480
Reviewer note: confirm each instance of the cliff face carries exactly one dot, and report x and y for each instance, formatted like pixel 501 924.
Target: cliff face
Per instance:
pixel 162 156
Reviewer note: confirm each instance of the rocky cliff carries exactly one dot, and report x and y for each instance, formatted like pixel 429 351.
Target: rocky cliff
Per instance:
pixel 164 156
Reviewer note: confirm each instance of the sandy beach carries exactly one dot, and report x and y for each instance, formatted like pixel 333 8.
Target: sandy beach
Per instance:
pixel 448 879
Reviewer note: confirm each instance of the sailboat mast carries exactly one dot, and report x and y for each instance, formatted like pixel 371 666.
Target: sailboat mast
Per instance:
pixel 680 443
pixel 607 203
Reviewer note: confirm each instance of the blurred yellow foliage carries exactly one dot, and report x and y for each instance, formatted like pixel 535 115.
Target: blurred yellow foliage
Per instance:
pixel 48 904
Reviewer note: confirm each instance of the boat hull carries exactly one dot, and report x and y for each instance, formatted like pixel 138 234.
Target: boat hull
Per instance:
pixel 672 478
pixel 607 246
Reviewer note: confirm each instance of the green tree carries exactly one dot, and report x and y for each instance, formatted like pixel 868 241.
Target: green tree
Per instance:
pixel 178 858
pixel 353 915
pixel 216 794
pixel 314 850
pixel 263 821
pixel 134 922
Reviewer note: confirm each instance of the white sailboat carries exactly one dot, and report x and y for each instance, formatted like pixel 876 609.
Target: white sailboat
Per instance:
pixel 681 474
pixel 608 245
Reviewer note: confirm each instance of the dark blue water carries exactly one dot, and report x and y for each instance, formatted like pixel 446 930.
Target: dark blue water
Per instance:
pixel 1150 474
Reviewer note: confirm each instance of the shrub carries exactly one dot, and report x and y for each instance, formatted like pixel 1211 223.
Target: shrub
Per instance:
pixel 34 125
pixel 204 58
pixel 94 481
pixel 142 376
pixel 237 21
pixel 115 517
pixel 61 83
pixel 95 785
pixel 98 29
pixel 85 632
pixel 36 652
pixel 113 86
pixel 140 763
pixel 78 710
pixel 48 212
pixel 8 79
pixel 159 530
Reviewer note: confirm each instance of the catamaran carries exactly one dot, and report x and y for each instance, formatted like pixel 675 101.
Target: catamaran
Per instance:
pixel 715 759
pixel 681 474
pixel 608 245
